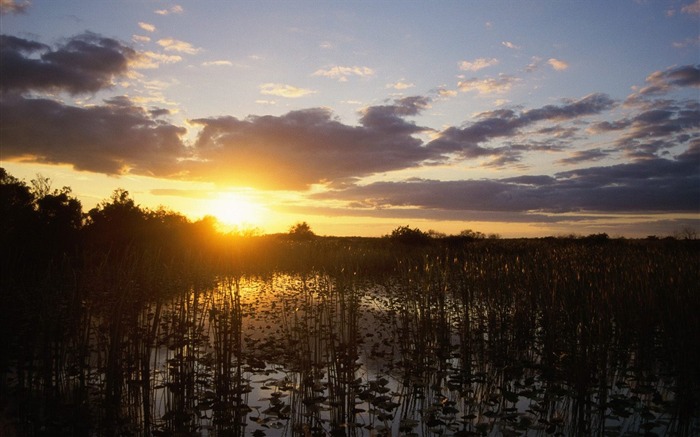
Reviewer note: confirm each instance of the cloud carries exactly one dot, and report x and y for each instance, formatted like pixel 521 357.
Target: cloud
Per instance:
pixel 176 9
pixel 534 64
pixel 296 150
pixel 662 82
pixel 558 64
pixel 501 84
pixel 588 105
pixel 692 9
pixel 400 85
pixel 580 156
pixel 442 92
pixel 283 90
pixel 114 138
pixel 390 118
pixel 147 26
pixel 305 147
pixel 309 146
pixel 501 123
pixel 83 64
pixel 342 74
pixel 656 129
pixel 174 45
pixel 477 64
pixel 140 38
pixel 219 63
pixel 659 185
pixel 146 60
pixel 510 45
pixel 14 6
pixel 688 42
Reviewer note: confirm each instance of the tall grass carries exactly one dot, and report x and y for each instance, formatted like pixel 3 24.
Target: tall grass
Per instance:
pixel 359 337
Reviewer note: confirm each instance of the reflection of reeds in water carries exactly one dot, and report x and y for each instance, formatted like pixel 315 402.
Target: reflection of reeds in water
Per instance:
pixel 320 329
pixel 230 393
pixel 483 339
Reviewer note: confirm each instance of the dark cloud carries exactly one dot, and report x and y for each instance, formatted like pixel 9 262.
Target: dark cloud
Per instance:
pixel 667 125
pixel 390 118
pixel 113 138
pixel 467 141
pixel 409 213
pixel 83 64
pixel 559 132
pixel 591 104
pixel 608 126
pixel 159 112
pixel 654 185
pixel 304 147
pixel 662 82
pixel 580 156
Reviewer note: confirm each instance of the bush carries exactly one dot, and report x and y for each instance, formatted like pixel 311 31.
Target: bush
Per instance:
pixel 406 235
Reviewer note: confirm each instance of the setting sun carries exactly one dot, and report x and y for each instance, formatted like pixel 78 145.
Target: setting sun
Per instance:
pixel 237 209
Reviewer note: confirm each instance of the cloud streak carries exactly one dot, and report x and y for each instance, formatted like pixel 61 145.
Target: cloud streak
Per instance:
pixel 174 45
pixel 477 64
pixel 148 27
pixel 342 73
pixel 658 185
pixel 558 64
pixel 468 141
pixel 663 82
pixel 492 85
pixel 284 90
pixel 176 9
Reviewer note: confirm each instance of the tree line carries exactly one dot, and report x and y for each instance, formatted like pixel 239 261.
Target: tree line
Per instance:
pixel 40 223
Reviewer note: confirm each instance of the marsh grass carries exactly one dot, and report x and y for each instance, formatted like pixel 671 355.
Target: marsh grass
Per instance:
pixel 359 337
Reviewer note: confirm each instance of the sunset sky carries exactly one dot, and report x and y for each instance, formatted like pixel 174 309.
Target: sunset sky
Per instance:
pixel 523 118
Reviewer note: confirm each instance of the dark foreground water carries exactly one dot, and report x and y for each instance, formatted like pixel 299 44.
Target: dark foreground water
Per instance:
pixel 481 344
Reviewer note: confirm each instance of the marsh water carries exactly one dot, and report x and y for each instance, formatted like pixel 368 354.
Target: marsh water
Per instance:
pixel 484 343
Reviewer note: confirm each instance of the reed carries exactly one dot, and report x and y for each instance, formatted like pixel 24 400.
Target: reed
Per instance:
pixel 358 338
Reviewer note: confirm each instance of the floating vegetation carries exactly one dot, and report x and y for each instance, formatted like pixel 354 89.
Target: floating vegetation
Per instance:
pixel 358 338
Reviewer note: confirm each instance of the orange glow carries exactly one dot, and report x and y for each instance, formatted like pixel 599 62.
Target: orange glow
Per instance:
pixel 237 210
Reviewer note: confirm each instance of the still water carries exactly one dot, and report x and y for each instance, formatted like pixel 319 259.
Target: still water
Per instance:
pixel 423 353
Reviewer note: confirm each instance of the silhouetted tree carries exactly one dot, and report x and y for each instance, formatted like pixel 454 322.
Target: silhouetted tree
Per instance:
pixel 60 218
pixel 301 231
pixel 472 235
pixel 596 238
pixel 117 222
pixel 687 233
pixel 406 235
pixel 436 234
pixel 17 215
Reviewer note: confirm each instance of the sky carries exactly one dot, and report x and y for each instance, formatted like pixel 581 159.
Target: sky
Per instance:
pixel 519 118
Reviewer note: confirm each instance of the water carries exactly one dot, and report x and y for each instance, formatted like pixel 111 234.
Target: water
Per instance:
pixel 533 339
pixel 317 356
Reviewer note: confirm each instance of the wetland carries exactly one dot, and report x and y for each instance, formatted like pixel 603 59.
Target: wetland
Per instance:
pixel 146 324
